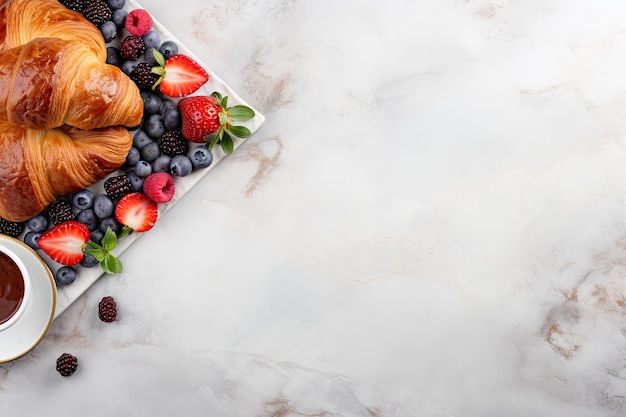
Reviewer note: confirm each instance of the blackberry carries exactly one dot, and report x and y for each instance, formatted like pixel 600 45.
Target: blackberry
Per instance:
pixel 67 364
pixel 60 211
pixel 144 77
pixel 9 228
pixel 117 187
pixel 132 47
pixel 75 5
pixel 97 11
pixel 107 309
pixel 173 143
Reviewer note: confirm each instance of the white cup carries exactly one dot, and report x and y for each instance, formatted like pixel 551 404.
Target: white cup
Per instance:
pixel 7 304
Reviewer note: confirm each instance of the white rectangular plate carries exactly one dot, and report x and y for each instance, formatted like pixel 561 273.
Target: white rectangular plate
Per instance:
pixel 88 276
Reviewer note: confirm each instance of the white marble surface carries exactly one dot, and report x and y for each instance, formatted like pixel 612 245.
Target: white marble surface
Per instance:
pixel 431 222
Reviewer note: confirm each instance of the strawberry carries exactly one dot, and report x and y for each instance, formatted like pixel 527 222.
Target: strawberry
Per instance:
pixel 208 118
pixel 137 212
pixel 179 75
pixel 64 242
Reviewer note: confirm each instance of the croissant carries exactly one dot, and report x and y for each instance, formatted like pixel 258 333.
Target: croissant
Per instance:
pixel 39 165
pixel 62 108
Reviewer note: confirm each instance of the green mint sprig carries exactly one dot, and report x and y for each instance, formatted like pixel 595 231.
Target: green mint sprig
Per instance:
pixel 102 252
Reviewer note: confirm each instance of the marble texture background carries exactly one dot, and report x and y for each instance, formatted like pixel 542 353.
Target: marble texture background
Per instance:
pixel 430 223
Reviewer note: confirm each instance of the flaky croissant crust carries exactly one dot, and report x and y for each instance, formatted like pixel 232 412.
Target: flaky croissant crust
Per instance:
pixel 61 107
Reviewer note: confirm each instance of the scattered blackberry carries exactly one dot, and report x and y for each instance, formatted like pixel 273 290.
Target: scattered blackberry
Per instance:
pixel 117 187
pixel 173 143
pixel 107 309
pixel 97 11
pixel 10 228
pixel 75 5
pixel 60 211
pixel 132 47
pixel 67 364
pixel 144 77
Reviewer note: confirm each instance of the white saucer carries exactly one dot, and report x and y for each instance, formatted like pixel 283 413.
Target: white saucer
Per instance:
pixel 34 323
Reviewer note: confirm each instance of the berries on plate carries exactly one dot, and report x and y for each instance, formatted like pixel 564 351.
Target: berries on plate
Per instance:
pixel 60 211
pixel 137 211
pixel 67 364
pixel 107 309
pixel 118 186
pixel 179 75
pixel 138 22
pixel 208 118
pixel 159 187
pixel 132 47
pixel 64 242
pixel 65 275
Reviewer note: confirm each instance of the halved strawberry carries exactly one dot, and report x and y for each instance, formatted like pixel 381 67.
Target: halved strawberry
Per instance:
pixel 179 75
pixel 64 242
pixel 137 211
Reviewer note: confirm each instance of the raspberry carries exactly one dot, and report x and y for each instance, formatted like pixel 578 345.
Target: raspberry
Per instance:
pixel 138 22
pixel 97 11
pixel 60 211
pixel 117 187
pixel 67 364
pixel 173 143
pixel 132 47
pixel 107 309
pixel 159 187
pixel 10 228
pixel 143 76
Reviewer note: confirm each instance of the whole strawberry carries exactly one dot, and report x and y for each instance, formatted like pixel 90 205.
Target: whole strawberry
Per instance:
pixel 209 119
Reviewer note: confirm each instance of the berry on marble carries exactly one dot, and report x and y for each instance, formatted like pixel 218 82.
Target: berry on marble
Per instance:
pixel 107 309
pixel 67 364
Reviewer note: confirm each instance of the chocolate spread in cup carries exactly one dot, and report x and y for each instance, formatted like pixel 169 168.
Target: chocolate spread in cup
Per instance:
pixel 11 287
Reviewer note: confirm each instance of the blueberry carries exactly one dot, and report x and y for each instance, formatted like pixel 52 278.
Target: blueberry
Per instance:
pixel 116 4
pixel 38 223
pixel 88 218
pixel 162 164
pixel 135 180
pixel 150 152
pixel 65 275
pixel 153 126
pixel 172 119
pixel 200 157
pixel 129 66
pixel 30 238
pixel 180 166
pixel 113 56
pixel 151 102
pixel 111 222
pixel 89 261
pixel 103 206
pixel 149 57
pixel 133 156
pixel 166 105
pixel 83 199
pixel 168 49
pixel 140 139
pixel 96 236
pixel 118 16
pixel 151 39
pixel 108 30
pixel 143 169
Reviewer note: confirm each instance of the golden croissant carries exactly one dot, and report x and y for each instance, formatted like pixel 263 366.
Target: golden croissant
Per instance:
pixel 62 108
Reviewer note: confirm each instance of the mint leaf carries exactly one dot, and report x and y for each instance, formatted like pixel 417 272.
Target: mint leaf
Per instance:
pixel 111 265
pixel 227 144
pixel 109 240
pixel 240 131
pixel 240 113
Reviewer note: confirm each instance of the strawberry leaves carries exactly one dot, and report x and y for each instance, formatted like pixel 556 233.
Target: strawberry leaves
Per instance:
pixel 227 118
pixel 108 262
